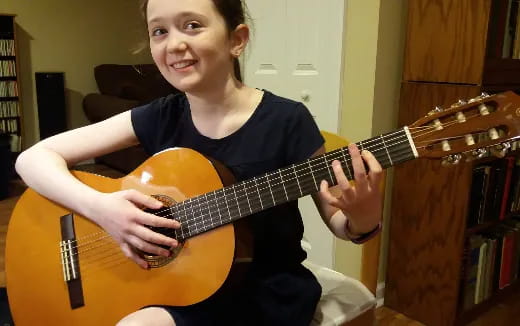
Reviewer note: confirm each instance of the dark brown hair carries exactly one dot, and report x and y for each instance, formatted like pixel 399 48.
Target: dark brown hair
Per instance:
pixel 234 14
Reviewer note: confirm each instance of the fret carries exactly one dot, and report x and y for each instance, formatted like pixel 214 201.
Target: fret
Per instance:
pixel 386 149
pixel 327 165
pixel 227 204
pixel 277 187
pixel 312 173
pixel 236 199
pixel 253 195
pixel 174 218
pixel 207 206
pixel 283 185
pixel 322 172
pixel 265 191
pixel 297 180
pixel 258 192
pixel 234 205
pixel 187 208
pixel 247 197
pixel 178 215
pixel 290 183
pixel 347 165
pixel 194 216
pixel 270 188
pixel 218 209
pixel 305 176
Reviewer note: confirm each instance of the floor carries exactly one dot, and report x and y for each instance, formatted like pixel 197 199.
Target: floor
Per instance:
pixel 500 315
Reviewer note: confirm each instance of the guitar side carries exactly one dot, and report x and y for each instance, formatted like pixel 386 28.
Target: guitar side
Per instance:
pixel 113 285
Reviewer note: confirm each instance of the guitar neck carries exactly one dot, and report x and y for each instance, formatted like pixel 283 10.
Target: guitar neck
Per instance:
pixel 208 211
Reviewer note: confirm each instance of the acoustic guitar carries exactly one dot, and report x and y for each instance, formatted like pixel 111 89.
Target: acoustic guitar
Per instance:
pixel 62 269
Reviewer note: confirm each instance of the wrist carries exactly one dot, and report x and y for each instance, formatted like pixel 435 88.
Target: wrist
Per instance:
pixel 91 203
pixel 357 236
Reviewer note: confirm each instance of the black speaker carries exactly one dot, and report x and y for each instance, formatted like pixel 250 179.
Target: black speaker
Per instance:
pixel 50 95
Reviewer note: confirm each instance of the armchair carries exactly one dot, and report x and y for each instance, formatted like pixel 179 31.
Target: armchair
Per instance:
pixel 123 87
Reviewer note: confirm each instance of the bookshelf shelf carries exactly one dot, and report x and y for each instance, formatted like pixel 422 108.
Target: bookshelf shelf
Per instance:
pixel 11 120
pixel 453 51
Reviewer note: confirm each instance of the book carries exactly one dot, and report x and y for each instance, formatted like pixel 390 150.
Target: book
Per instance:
pixel 478 190
pixel 510 163
pixel 469 285
pixel 482 260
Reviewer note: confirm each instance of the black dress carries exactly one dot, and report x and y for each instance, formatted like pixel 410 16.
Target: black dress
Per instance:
pixel 281 132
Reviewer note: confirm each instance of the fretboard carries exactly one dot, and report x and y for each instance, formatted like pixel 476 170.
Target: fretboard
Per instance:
pixel 208 211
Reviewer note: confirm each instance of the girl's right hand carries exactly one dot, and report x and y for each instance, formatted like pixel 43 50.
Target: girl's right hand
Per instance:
pixel 119 214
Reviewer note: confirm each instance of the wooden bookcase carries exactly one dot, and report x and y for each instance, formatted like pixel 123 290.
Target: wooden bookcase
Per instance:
pixel 452 52
pixel 10 108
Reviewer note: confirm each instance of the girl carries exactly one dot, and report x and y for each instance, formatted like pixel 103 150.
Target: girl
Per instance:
pixel 196 44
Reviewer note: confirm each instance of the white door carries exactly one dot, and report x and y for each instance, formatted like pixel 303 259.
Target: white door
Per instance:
pixel 296 52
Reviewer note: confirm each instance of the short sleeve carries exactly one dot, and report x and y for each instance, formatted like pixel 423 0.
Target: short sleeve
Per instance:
pixel 303 136
pixel 145 120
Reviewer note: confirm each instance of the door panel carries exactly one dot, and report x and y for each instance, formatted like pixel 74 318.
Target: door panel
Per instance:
pixel 296 52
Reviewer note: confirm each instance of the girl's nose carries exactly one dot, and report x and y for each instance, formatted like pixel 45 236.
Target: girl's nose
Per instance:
pixel 176 44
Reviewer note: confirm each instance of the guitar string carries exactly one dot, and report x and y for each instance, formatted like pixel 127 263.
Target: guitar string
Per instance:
pixel 118 251
pixel 117 248
pixel 194 221
pixel 324 168
pixel 188 220
pixel 365 143
pixel 369 141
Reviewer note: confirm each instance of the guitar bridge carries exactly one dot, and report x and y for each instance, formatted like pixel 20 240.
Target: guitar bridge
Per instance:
pixel 70 261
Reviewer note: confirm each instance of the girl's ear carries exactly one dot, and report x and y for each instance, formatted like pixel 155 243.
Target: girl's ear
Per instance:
pixel 239 40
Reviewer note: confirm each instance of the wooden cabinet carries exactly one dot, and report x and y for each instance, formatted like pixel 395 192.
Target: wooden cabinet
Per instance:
pixel 452 52
pixel 10 109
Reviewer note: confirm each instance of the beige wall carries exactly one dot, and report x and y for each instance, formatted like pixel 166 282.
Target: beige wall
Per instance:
pixel 374 35
pixel 72 37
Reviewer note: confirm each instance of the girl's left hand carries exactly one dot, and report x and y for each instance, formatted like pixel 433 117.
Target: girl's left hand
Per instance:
pixel 361 203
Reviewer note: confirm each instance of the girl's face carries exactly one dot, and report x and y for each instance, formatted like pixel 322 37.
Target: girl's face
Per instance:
pixel 190 43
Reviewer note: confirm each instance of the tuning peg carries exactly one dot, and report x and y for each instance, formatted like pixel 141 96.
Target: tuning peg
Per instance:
pixel 436 110
pixel 478 98
pixel 500 150
pixel 459 103
pixel 476 154
pixel 451 159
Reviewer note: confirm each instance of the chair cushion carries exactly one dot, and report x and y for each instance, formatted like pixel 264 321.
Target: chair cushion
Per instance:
pixel 343 298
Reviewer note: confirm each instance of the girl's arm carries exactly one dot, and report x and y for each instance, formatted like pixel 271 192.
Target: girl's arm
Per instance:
pixel 44 167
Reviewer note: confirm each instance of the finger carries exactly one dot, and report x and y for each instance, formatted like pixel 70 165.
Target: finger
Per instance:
pixel 375 170
pixel 342 180
pixel 155 237
pixel 147 247
pixel 129 252
pixel 141 199
pixel 328 197
pixel 157 221
pixel 360 174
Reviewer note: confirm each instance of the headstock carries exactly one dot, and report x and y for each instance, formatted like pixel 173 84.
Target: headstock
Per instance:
pixel 469 129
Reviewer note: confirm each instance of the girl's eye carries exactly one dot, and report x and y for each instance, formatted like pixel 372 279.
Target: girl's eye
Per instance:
pixel 192 26
pixel 158 31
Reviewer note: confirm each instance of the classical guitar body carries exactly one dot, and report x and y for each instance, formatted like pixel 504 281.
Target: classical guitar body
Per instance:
pixel 112 285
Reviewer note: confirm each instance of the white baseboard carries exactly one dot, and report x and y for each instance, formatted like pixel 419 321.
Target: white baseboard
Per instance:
pixel 380 294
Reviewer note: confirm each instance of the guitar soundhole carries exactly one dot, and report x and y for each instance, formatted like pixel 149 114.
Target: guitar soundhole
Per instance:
pixel 153 260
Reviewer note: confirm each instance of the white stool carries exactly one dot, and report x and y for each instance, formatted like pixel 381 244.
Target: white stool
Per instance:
pixel 343 298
